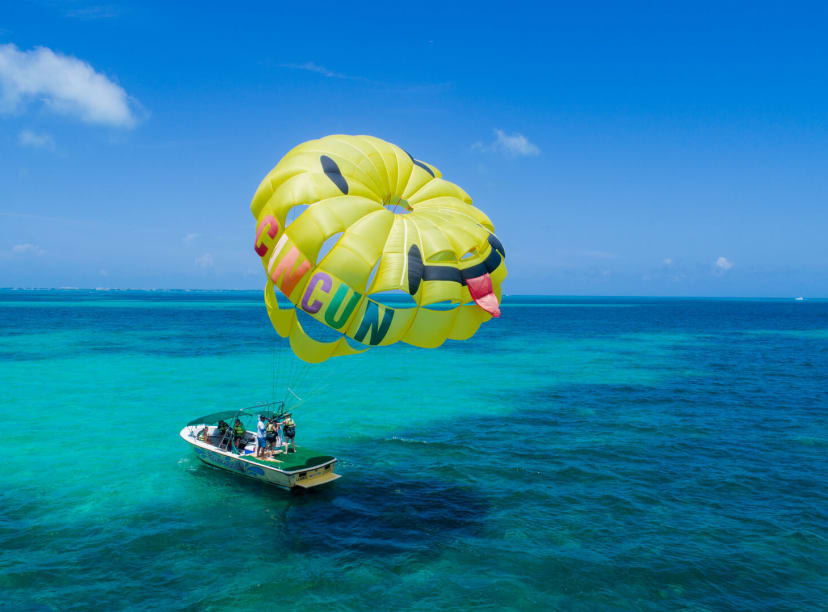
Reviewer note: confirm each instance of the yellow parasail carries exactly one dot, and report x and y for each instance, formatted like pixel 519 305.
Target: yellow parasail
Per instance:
pixel 403 228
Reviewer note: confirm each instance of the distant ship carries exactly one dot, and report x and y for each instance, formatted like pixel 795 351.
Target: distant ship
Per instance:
pixel 800 299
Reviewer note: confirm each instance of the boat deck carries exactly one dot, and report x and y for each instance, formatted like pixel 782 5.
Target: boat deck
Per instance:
pixel 300 460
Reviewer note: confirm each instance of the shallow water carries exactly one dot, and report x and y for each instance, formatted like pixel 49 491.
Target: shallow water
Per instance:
pixel 578 454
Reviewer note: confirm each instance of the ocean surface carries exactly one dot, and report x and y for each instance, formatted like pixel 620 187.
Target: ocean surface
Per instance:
pixel 577 454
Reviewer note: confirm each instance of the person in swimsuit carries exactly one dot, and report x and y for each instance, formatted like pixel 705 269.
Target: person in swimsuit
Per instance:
pixel 289 429
pixel 261 443
pixel 222 427
pixel 238 436
pixel 271 434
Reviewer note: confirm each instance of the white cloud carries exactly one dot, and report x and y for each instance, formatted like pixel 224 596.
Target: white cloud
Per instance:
pixel 189 239
pixel 515 145
pixel 28 247
pixel 89 13
pixel 28 138
pixel 65 84
pixel 723 264
pixel 313 67
pixel 204 261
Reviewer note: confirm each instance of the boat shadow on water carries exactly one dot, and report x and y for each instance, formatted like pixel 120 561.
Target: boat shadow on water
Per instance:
pixel 379 511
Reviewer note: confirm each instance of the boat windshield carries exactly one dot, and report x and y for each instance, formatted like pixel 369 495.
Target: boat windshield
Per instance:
pixel 212 419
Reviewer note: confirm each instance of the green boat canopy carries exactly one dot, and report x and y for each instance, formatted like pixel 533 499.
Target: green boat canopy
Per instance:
pixel 211 419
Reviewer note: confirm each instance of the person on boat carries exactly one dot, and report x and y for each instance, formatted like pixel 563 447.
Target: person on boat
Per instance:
pixel 238 436
pixel 222 427
pixel 271 434
pixel 261 444
pixel 202 435
pixel 289 430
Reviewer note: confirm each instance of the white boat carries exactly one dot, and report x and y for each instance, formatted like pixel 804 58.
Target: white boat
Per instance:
pixel 303 468
pixel 800 299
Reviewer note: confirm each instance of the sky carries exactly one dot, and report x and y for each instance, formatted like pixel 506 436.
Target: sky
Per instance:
pixel 636 148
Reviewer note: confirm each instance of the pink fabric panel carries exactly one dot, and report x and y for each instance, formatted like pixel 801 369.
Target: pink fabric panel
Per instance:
pixel 480 288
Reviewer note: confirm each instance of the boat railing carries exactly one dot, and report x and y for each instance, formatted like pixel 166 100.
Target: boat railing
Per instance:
pixel 226 441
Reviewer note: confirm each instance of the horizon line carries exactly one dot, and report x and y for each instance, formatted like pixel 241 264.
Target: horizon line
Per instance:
pixel 505 295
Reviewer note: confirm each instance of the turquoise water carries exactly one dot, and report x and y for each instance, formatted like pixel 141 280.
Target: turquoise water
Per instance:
pixel 578 454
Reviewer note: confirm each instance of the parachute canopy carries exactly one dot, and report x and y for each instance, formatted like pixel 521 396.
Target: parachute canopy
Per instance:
pixel 400 227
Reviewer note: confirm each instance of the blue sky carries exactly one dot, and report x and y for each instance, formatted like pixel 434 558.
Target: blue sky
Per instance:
pixel 625 149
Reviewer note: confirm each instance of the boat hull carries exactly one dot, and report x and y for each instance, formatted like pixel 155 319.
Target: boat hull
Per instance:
pixel 310 474
pixel 245 468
